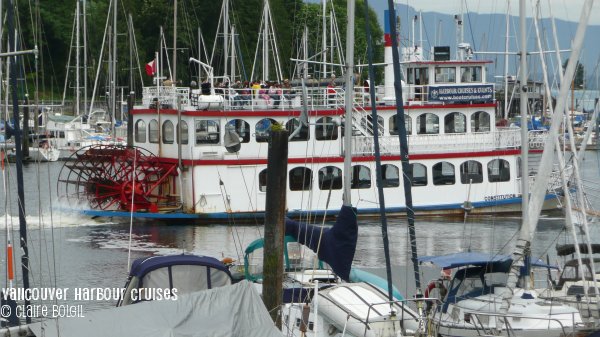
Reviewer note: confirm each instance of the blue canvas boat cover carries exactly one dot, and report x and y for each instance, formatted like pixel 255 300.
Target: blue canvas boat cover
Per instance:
pixel 142 266
pixel 462 259
pixel 336 245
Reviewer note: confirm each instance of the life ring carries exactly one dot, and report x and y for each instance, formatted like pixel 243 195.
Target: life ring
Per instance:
pixel 433 285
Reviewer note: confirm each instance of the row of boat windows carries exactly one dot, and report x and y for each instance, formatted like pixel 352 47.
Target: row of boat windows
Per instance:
pixel 442 173
pixel 207 131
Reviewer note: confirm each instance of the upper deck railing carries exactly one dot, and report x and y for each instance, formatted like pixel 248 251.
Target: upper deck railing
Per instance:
pixel 501 139
pixel 317 97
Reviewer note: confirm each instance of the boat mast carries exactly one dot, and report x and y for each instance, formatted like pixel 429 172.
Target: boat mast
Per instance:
pixel 378 169
pixel 523 107
pixel 19 153
pixel 175 45
pixel 349 97
pixel 400 124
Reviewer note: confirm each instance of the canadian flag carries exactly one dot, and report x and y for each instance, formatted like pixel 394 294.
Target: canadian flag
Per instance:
pixel 151 68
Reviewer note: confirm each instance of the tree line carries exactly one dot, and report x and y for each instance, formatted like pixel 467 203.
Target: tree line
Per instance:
pixel 50 25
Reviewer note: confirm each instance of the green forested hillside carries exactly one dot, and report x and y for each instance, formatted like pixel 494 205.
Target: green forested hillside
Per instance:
pixel 57 17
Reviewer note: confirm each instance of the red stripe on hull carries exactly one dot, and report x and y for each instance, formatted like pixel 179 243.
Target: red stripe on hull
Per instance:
pixel 324 160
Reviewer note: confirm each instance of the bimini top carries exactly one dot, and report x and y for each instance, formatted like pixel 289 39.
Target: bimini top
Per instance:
pixel 463 259
pixel 142 266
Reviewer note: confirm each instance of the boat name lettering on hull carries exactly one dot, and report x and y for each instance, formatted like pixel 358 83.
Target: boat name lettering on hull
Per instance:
pixel 500 197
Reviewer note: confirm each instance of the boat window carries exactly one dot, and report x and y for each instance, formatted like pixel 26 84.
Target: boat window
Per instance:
pixel 498 170
pixel 326 129
pixel 184 133
pixel 427 124
pixel 292 125
pixel 241 128
pixel 470 74
pixel 470 286
pixel 140 131
pixel 418 174
pixel 407 125
pixel 519 167
pixel 262 180
pixel 390 175
pixel 361 177
pixel 300 179
pixel 471 172
pixel 443 173
pixel 445 75
pixel 455 122
pixel 168 132
pixel 207 131
pixel 153 134
pixel 480 122
pixel 263 130
pixel 418 76
pixel 330 177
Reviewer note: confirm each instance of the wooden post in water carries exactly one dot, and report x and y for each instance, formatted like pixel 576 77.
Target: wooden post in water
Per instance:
pixel 274 222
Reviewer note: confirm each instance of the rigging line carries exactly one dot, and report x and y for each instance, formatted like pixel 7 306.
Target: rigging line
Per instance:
pixel 470 26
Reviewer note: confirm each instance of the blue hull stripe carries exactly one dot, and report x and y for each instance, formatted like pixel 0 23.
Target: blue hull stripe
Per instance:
pixel 298 213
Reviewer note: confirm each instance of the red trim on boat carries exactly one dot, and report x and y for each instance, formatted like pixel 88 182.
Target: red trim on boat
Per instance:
pixel 321 160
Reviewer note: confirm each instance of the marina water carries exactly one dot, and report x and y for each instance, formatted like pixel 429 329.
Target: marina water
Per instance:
pixel 72 251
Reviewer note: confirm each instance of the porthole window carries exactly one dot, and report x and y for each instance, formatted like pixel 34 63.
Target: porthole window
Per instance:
pixel 140 131
pixel 498 170
pixel 390 175
pixel 330 177
pixel 241 128
pixel 361 177
pixel 480 122
pixel 326 129
pixel 168 131
pixel 427 124
pixel 184 133
pixel 443 174
pixel 418 174
pixel 394 127
pixel 262 180
pixel 263 130
pixel 471 172
pixel 292 125
pixel 455 122
pixel 153 131
pixel 300 179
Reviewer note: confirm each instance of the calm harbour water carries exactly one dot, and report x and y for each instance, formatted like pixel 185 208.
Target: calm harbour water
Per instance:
pixel 70 251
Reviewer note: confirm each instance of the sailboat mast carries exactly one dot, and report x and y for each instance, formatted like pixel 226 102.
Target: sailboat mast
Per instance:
pixel 77 57
pixel 406 180
pixel 347 200
pixel 19 153
pixel 523 107
pixel 175 45
pixel 113 73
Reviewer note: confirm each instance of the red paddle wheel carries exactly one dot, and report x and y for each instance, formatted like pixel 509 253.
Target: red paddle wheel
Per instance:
pixel 114 177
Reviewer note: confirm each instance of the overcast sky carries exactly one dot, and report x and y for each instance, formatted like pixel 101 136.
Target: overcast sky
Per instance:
pixel 569 10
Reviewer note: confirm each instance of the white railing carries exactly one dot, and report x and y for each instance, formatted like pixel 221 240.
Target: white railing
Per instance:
pixel 165 96
pixel 457 142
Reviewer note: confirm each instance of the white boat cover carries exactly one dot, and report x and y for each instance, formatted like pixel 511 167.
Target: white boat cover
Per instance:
pixel 229 311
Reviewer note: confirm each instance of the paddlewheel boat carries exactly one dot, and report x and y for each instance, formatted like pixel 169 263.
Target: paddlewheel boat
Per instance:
pixel 210 150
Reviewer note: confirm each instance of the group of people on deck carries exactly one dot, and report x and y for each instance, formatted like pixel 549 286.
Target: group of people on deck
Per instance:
pixel 273 93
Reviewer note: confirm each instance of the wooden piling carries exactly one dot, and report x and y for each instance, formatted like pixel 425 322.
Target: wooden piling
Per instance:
pixel 275 210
